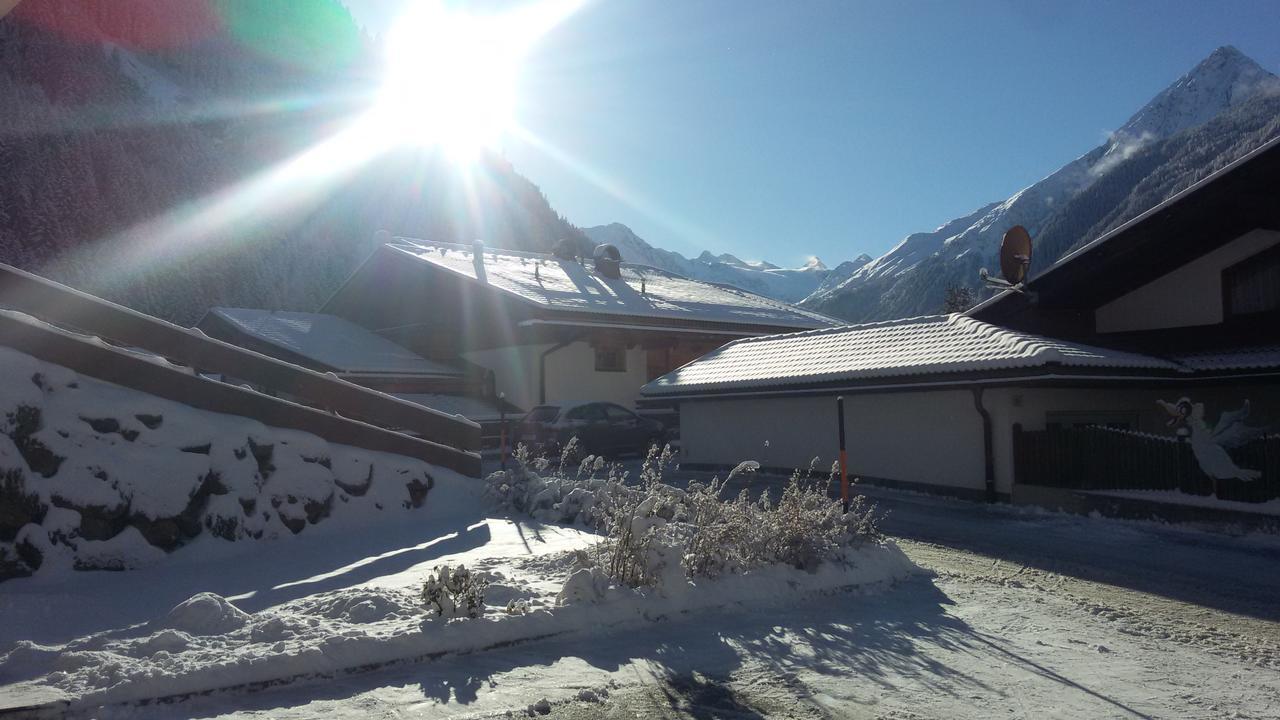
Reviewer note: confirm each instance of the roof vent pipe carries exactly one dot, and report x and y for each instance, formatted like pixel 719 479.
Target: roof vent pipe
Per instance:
pixel 608 260
pixel 477 253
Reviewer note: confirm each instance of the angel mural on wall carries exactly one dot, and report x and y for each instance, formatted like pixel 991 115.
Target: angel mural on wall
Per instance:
pixel 1210 446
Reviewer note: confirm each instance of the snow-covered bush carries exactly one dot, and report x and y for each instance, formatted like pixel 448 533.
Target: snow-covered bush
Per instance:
pixel 454 592
pixel 655 534
pixel 529 488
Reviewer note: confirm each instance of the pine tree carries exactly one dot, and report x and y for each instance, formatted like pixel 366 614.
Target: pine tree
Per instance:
pixel 959 298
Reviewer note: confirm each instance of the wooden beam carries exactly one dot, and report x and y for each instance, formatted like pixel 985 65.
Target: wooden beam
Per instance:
pixel 67 307
pixel 83 355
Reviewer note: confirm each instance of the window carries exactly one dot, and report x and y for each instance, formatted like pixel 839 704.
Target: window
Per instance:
pixel 618 415
pixel 611 358
pixel 1252 286
pixel 585 413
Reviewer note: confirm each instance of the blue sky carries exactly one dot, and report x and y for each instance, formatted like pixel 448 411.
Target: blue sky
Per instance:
pixel 779 130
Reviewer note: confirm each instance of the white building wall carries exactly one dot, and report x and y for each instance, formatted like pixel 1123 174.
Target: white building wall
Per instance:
pixel 726 432
pixel 1188 296
pixel 571 374
pixel 515 370
pixel 926 437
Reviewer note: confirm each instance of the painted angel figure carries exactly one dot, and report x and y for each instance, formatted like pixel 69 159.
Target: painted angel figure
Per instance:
pixel 1210 446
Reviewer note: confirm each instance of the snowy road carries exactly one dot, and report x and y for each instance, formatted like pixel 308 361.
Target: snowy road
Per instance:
pixel 1029 615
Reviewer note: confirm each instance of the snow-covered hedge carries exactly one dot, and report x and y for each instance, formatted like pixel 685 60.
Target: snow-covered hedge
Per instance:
pixel 453 592
pixel 655 534
pixel 96 476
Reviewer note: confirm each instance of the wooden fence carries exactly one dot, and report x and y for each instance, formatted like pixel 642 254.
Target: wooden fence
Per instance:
pixel 1099 458
pixel 326 406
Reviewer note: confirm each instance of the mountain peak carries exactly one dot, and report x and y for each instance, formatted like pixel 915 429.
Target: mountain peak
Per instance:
pixel 1225 78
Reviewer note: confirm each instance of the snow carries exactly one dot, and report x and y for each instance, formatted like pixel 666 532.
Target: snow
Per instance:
pixel 1224 79
pixel 332 341
pixel 117 476
pixel 564 285
pixel 472 408
pixel 206 642
pixel 1024 615
pixel 1177 497
pixel 787 284
pixel 897 348
pixel 1233 359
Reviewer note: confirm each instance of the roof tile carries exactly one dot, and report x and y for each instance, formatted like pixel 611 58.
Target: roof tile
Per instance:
pixel 897 348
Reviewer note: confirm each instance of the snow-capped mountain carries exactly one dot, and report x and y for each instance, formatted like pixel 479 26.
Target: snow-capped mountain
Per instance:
pixel 911 278
pixel 763 278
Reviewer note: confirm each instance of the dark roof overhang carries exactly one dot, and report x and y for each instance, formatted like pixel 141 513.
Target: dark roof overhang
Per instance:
pixel 1241 197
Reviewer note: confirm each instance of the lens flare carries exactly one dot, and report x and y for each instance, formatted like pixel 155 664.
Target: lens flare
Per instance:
pixel 451 77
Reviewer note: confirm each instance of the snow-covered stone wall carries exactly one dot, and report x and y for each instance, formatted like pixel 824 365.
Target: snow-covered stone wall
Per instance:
pixel 96 476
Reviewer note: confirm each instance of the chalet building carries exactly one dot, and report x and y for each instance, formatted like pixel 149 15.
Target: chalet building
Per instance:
pixel 330 344
pixel 1145 364
pixel 550 328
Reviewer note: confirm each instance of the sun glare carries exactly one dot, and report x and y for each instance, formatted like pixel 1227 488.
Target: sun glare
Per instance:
pixel 451 77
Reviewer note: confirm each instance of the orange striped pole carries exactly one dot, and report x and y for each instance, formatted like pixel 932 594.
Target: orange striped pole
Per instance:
pixel 844 456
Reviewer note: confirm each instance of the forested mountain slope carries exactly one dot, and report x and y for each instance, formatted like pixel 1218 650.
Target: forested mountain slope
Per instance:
pixel 119 119
pixel 1218 111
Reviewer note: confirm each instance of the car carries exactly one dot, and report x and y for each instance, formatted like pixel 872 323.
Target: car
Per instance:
pixel 602 428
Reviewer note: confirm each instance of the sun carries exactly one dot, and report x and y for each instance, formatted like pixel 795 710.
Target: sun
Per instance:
pixel 451 78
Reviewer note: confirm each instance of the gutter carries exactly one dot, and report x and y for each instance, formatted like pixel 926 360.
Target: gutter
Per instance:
pixel 542 366
pixel 650 328
pixel 908 386
pixel 944 384
pixel 988 453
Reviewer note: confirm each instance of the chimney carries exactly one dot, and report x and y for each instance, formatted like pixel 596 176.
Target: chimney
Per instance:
pixel 608 261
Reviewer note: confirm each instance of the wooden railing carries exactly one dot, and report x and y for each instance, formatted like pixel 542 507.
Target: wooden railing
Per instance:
pixel 1099 458
pixel 339 411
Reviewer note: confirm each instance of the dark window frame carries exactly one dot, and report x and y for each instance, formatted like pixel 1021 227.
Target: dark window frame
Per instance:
pixel 602 352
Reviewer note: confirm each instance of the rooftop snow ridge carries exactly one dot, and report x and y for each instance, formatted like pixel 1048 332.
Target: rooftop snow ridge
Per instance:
pixel 531 255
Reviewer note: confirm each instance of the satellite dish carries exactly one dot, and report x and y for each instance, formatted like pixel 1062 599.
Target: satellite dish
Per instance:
pixel 1015 255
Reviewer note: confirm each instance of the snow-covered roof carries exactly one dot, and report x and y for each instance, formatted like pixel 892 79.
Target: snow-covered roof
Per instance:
pixel 331 341
pixel 469 407
pixel 640 292
pixel 1256 358
pixel 926 345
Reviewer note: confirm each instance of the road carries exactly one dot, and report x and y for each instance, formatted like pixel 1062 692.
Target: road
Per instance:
pixel 1064 615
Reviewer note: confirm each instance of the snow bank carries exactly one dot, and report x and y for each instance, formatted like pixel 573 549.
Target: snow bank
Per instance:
pixel 205 643
pixel 96 476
